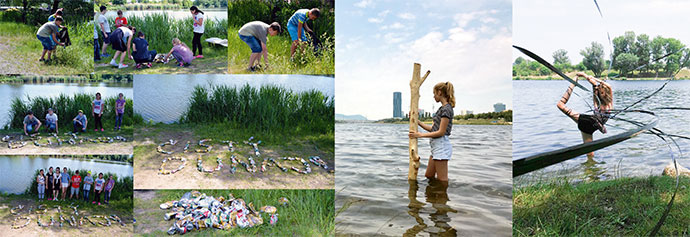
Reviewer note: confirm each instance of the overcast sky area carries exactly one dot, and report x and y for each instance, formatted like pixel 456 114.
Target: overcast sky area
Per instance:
pixel 464 42
pixel 544 26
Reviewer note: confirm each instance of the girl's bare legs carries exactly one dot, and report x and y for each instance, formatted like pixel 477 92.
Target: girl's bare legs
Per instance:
pixel 441 167
pixel 430 169
pixel 588 138
pixel 122 57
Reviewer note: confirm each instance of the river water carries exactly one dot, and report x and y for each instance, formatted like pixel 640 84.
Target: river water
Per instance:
pixel 539 127
pixel 20 90
pixel 372 186
pixel 19 177
pixel 164 98
pixel 216 14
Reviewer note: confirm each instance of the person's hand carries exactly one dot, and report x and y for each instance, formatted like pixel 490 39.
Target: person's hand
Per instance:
pixel 310 31
pixel 131 57
pixel 581 74
pixel 414 134
pixel 106 35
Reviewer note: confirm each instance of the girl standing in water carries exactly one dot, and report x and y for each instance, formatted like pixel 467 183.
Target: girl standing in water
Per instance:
pixel 603 104
pixel 441 148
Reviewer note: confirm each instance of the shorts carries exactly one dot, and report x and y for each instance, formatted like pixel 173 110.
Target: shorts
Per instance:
pixel 292 29
pixel 253 43
pixel 74 191
pixel 441 149
pixel 64 185
pixel 587 124
pixel 47 43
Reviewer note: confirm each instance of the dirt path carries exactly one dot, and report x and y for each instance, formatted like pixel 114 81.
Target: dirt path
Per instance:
pixel 16 58
pixel 6 219
pixel 148 221
pixel 147 162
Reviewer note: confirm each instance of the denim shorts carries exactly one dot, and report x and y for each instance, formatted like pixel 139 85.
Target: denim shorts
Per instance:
pixel 441 149
pixel 253 43
pixel 74 191
pixel 47 43
pixel 292 29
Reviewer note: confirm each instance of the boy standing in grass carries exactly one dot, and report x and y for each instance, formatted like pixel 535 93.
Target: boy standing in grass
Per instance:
pixel 98 189
pixel 79 122
pixel 64 182
pixel 88 180
pixel 76 182
pixel 297 24
pixel 47 34
pixel 255 34
pixel 119 110
pixel 31 124
pixel 109 189
pixel 105 29
pixel 51 121
pixel 41 180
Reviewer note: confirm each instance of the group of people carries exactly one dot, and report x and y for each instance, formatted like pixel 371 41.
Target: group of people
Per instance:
pixel 80 122
pixel 125 39
pixel 51 34
pixel 56 183
pixel 256 33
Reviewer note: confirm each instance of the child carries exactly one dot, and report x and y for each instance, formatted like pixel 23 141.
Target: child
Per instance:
pixel 120 110
pixel 97 111
pixel 98 189
pixel 109 189
pixel 79 122
pixel 76 182
pixel 297 24
pixel 441 148
pixel 51 121
pixel 31 124
pixel 198 30
pixel 181 53
pixel 142 55
pixel 41 180
pixel 96 46
pixel 64 182
pixel 120 20
pixel 121 42
pixel 47 34
pixel 49 183
pixel 255 34
pixel 105 29
pixel 58 13
pixel 88 180
pixel 56 183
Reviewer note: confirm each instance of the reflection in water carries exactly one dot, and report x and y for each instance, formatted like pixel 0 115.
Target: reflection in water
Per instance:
pixel 593 171
pixel 437 195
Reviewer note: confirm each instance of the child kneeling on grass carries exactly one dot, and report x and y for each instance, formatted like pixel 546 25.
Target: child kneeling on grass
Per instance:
pixel 141 53
pixel 181 53
pixel 47 34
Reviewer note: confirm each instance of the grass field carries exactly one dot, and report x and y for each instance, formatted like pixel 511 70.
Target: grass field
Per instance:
pixel 309 213
pixel 618 207
pixel 305 62
pixel 20 51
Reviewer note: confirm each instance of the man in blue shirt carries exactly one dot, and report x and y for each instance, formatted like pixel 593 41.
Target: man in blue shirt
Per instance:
pixel 297 24
pixel 79 122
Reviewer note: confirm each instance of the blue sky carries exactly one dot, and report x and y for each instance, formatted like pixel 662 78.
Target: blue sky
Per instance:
pixel 464 42
pixel 544 26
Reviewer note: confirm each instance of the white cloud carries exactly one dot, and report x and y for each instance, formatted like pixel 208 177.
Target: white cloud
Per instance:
pixel 364 3
pixel 397 25
pixel 375 20
pixel 384 13
pixel 407 16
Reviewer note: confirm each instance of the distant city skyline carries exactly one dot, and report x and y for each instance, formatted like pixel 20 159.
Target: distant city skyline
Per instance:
pixel 397 105
pixel 499 107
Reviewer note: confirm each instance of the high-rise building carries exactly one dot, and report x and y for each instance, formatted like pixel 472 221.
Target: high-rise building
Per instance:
pixel 397 105
pixel 499 107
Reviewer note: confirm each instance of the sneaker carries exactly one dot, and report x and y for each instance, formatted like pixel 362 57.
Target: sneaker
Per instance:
pixel 99 203
pixel 149 65
pixel 251 69
pixel 181 65
pixel 42 59
pixel 113 63
pixel 105 55
pixel 95 130
pixel 199 56
pixel 101 129
pixel 122 66
pixel 138 65
pixel 94 202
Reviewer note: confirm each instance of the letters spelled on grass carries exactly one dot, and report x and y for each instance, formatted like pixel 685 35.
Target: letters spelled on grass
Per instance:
pixel 268 108
pixel 67 107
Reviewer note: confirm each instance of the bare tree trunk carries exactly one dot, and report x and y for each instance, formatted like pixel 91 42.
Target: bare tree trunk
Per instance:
pixel 55 6
pixel 415 83
pixel 25 5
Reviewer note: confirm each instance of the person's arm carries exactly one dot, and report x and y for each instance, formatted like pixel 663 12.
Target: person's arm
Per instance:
pixel 129 46
pixel 134 48
pixel 103 30
pixel 102 105
pixel 56 41
pixel 168 55
pixel 56 127
pixel 423 125
pixel 39 124
pixel 299 31
pixel 438 133
pixel 264 51
pixel 306 27
pixel 25 133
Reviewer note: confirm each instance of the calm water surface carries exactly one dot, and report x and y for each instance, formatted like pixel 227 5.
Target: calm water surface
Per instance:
pixel 539 127
pixel 19 177
pixel 164 98
pixel 372 181
pixel 20 90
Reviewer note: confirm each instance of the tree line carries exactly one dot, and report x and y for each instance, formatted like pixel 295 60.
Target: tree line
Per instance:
pixel 633 56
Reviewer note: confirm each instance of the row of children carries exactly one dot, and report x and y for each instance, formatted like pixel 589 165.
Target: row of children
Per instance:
pixel 54 182
pixel 32 124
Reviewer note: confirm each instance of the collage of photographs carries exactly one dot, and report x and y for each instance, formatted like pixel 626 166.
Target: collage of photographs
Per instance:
pixel 453 118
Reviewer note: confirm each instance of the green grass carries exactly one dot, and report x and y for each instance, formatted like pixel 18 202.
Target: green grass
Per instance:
pixel 266 109
pixel 625 206
pixel 22 48
pixel 310 212
pixel 305 61
pixel 67 107
pixel 160 29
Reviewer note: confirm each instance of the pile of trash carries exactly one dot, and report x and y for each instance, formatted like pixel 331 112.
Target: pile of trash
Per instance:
pixel 196 211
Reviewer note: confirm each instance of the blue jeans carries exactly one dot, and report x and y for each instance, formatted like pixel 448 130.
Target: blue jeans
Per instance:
pixel 96 50
pixel 118 120
pixel 41 191
pixel 78 127
pixel 253 43
pixel 86 194
pixel 30 127
pixel 107 196
pixel 47 42
pixel 50 126
pixel 292 29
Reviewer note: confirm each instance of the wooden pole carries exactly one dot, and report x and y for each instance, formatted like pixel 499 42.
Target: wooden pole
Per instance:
pixel 415 83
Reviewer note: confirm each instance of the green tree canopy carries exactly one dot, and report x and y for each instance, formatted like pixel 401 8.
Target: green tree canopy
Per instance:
pixel 594 58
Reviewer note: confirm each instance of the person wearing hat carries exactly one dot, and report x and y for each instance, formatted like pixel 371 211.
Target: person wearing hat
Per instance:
pixel 79 122
pixel 51 121
pixel 31 124
pixel 255 34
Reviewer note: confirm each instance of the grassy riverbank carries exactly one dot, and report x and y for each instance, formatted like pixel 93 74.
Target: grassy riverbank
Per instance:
pixel 624 206
pixel 683 74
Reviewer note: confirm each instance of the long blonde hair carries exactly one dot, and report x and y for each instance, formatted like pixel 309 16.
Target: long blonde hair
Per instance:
pixel 176 41
pixel 446 89
pixel 605 94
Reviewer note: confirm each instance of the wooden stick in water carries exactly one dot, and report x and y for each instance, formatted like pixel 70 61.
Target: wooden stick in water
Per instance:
pixel 415 83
